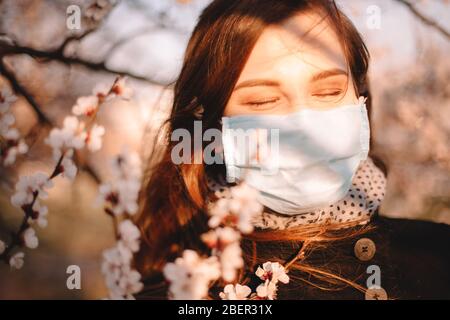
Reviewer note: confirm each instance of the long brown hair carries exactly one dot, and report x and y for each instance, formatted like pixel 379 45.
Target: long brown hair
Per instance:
pixel 173 213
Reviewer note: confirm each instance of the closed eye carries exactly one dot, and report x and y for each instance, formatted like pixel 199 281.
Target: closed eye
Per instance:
pixel 262 102
pixel 326 93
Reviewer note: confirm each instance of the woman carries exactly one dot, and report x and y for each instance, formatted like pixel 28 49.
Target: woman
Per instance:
pixel 299 67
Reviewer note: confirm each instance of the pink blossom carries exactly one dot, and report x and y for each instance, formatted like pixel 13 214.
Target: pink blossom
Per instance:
pixel 85 106
pixel 16 261
pixel 30 239
pixel 235 292
pixel 191 275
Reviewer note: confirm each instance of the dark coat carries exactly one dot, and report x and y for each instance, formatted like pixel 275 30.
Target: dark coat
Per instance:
pixel 413 257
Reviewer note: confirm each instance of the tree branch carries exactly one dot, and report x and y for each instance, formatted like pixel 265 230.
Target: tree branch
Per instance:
pixel 424 19
pixel 68 40
pixel 7 48
pixel 43 120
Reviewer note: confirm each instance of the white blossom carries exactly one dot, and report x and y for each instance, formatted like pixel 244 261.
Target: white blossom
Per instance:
pixel 127 165
pixel 190 275
pixel 6 99
pixel 129 234
pixel 2 247
pixel 244 204
pixel 241 207
pixel 68 168
pixel 71 136
pixel 30 238
pixel 218 212
pixel 114 258
pixel 11 134
pixel 267 290
pixel 6 121
pixel 226 246
pixel 220 237
pixel 16 261
pixel 27 185
pixel 42 212
pixel 272 271
pixel 235 292
pixel 14 144
pixel 85 106
pixel 88 105
pixel 113 261
pixel 94 138
pixel 121 196
pixel 121 280
pixel 122 193
pixel 20 148
pixel 131 283
pixel 128 193
pixel 231 261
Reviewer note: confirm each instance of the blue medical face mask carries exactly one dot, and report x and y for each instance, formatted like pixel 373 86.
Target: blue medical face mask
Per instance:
pixel 298 161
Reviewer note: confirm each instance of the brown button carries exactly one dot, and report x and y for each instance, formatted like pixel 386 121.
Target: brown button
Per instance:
pixel 376 293
pixel 365 249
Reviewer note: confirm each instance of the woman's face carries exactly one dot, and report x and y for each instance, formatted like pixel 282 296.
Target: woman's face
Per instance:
pixel 297 64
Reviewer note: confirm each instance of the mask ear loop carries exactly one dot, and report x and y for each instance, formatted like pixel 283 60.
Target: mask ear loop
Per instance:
pixel 365 129
pixel 362 100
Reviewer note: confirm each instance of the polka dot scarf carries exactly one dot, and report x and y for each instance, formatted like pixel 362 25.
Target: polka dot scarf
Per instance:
pixel 360 203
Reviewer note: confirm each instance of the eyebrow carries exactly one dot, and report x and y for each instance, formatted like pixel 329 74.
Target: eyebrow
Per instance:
pixel 328 73
pixel 256 83
pixel 272 83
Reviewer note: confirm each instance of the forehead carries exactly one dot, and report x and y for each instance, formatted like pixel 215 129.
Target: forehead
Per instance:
pixel 305 43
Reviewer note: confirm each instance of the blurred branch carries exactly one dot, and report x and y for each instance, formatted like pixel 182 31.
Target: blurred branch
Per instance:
pixel 10 47
pixel 43 120
pixel 6 48
pixel 424 19
pixel 78 38
pixel 87 32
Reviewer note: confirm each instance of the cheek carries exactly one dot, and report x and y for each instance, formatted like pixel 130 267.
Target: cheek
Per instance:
pixel 351 95
pixel 228 110
pixel 232 108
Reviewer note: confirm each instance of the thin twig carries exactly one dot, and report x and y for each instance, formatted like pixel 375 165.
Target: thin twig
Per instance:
pixel 425 19
pixel 28 213
pixel 299 256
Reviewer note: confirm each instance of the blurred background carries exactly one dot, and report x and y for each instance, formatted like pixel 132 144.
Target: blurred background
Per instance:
pixel 50 65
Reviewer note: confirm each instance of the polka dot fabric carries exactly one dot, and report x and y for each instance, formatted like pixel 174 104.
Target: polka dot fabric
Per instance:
pixel 360 203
